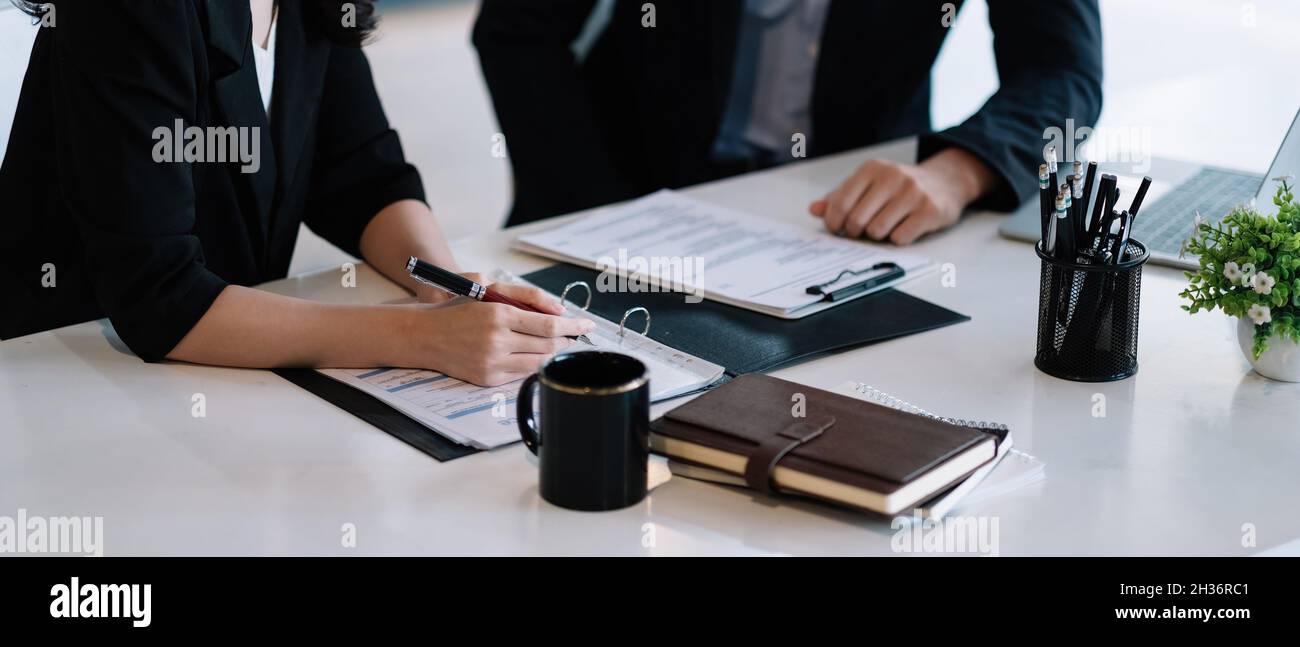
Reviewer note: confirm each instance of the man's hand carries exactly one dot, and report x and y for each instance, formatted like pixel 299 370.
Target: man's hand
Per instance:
pixel 902 202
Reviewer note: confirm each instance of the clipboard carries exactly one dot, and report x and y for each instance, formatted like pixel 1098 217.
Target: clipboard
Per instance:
pixel 664 240
pixel 744 341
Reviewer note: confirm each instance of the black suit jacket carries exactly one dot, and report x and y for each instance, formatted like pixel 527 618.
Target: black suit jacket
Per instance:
pixel 150 244
pixel 642 110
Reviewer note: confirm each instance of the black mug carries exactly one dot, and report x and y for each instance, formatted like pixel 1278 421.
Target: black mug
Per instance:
pixel 593 440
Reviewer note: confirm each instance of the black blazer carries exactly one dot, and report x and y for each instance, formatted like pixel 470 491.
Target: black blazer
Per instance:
pixel 642 110
pixel 150 244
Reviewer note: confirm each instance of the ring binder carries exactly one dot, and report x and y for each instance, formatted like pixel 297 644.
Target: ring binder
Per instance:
pixel 622 324
pixel 577 284
pixel 564 298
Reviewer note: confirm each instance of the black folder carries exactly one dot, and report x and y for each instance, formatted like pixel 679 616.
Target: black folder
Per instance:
pixel 374 411
pixel 744 341
pixel 740 340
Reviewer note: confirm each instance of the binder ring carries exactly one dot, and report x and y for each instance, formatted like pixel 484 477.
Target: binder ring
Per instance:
pixel 623 323
pixel 576 284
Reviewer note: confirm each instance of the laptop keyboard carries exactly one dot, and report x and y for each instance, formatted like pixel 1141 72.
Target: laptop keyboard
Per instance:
pixel 1164 226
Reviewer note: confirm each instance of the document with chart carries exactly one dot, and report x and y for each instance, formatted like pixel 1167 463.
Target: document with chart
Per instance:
pixel 484 417
pixel 739 259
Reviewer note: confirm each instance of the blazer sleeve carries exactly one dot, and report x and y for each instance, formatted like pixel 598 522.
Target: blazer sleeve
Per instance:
pixel 556 150
pixel 1049 64
pixel 358 167
pixel 125 69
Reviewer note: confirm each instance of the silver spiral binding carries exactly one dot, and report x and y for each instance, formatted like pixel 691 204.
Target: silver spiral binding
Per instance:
pixel 884 399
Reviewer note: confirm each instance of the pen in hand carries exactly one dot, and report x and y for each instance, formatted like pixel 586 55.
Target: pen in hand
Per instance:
pixel 430 274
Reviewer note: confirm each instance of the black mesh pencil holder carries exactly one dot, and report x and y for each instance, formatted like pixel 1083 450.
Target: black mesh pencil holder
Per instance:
pixel 1088 317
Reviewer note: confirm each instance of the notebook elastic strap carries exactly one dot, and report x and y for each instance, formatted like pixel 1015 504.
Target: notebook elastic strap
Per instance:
pixel 758 470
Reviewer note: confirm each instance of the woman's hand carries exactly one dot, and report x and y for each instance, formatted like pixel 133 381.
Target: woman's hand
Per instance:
pixel 532 296
pixel 488 344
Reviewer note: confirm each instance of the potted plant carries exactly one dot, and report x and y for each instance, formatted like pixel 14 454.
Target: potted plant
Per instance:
pixel 1250 268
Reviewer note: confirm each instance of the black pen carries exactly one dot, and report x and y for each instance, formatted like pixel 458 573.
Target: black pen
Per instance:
pixel 448 281
pixel 1121 242
pixel 1111 208
pixel 1076 198
pixel 1076 185
pixel 1103 195
pixel 1087 197
pixel 1108 221
pixel 1051 167
pixel 1044 201
pixel 1141 195
pixel 1112 202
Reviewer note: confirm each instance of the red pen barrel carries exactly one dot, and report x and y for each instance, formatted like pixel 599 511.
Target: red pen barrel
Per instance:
pixel 495 297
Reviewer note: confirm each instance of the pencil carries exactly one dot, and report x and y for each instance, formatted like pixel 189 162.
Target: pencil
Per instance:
pixel 1064 247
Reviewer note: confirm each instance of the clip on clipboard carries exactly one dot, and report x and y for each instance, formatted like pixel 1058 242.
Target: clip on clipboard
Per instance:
pixel 889 272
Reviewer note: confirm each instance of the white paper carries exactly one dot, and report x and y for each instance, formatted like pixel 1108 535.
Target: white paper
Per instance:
pixel 484 417
pixel 467 414
pixel 745 260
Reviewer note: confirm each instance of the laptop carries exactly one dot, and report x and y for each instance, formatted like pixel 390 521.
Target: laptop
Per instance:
pixel 1165 220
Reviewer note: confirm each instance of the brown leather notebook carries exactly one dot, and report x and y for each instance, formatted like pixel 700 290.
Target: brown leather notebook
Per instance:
pixel 842 449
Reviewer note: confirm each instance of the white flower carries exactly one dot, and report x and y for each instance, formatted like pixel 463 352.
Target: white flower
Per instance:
pixel 1247 274
pixel 1263 283
pixel 1260 314
pixel 1232 271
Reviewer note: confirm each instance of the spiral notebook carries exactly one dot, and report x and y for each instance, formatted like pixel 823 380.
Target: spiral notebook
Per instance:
pixel 831 447
pixel 1010 470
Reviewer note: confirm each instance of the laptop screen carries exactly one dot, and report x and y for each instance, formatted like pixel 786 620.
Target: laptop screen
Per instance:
pixel 1287 162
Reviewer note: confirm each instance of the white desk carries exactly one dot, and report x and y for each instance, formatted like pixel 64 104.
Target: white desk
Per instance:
pixel 1191 448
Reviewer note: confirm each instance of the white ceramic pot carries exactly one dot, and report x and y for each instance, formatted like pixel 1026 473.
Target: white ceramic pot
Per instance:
pixel 1280 362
